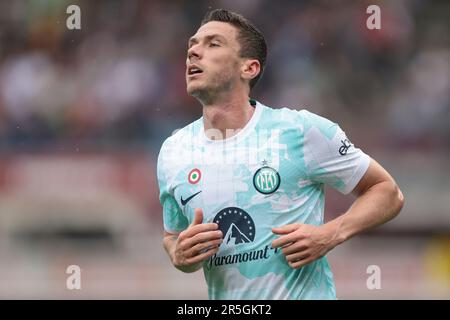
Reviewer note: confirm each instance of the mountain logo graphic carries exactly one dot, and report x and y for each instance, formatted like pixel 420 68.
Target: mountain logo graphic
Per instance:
pixel 236 225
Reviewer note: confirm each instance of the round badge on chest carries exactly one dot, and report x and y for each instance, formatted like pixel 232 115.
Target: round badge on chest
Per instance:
pixel 266 180
pixel 194 176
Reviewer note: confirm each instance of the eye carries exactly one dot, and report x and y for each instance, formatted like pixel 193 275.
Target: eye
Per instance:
pixel 214 44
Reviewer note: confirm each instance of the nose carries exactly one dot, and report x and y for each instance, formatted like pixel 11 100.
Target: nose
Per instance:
pixel 194 51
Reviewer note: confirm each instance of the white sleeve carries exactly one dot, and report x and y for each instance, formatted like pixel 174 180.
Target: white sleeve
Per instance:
pixel 330 157
pixel 173 218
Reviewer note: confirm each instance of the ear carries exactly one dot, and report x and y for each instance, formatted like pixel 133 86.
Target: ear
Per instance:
pixel 250 69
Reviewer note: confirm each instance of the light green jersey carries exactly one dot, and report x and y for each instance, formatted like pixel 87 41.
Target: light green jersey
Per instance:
pixel 271 173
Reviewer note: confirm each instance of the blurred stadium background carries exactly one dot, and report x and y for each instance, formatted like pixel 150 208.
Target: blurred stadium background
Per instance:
pixel 84 112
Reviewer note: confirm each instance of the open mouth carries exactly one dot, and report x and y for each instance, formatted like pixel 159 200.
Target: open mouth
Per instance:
pixel 194 70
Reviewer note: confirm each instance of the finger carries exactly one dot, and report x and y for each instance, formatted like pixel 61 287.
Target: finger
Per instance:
pixel 301 263
pixel 202 237
pixel 204 227
pixel 284 240
pixel 202 256
pixel 295 247
pixel 298 256
pixel 288 228
pixel 198 248
pixel 198 217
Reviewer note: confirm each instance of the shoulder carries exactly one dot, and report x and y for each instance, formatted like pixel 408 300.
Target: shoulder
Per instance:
pixel 180 137
pixel 177 146
pixel 299 118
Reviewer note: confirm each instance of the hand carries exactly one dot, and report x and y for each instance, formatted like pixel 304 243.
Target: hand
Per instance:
pixel 197 243
pixel 303 243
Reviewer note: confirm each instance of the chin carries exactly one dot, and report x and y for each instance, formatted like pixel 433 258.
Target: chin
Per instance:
pixel 195 90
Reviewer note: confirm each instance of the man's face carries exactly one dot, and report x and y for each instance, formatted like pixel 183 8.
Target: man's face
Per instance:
pixel 213 62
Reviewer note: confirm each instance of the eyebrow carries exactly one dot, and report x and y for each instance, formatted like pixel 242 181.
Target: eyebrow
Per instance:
pixel 194 40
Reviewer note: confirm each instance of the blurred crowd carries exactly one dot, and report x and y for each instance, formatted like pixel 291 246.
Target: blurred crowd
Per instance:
pixel 118 86
pixel 119 81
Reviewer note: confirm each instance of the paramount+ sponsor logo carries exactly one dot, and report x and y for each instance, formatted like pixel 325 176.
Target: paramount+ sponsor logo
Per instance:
pixel 239 229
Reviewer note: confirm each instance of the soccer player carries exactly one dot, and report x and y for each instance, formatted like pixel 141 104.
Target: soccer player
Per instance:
pixel 242 188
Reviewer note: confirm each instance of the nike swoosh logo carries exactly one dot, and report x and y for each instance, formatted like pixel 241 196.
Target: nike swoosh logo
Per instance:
pixel 185 201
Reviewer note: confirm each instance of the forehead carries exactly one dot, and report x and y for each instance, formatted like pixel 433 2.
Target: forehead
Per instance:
pixel 226 30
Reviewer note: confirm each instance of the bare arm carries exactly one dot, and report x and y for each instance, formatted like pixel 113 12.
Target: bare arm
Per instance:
pixel 170 244
pixel 379 199
pixel 192 246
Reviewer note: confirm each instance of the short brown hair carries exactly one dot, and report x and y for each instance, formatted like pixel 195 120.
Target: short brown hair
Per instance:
pixel 251 40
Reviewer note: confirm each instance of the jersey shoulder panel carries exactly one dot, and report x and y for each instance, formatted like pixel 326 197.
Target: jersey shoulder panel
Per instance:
pixel 303 120
pixel 174 146
pixel 187 132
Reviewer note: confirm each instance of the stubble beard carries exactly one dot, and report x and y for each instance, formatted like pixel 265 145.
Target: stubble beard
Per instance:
pixel 209 94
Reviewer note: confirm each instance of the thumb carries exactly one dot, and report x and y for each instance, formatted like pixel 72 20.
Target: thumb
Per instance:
pixel 288 228
pixel 198 217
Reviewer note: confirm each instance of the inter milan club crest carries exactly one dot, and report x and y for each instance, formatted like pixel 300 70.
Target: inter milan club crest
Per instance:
pixel 194 176
pixel 266 179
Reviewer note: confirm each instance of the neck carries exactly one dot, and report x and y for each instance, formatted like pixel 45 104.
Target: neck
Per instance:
pixel 226 116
